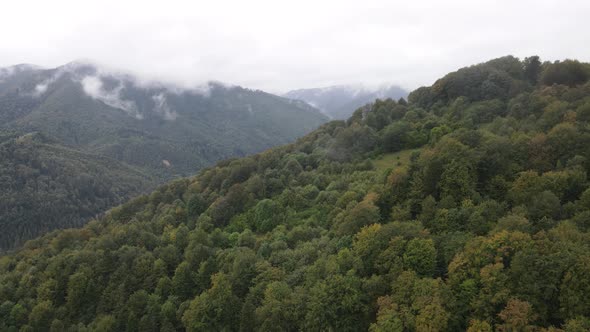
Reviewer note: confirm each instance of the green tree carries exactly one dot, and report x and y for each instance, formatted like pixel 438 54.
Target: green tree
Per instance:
pixel 183 281
pixel 337 304
pixel 575 289
pixel 196 205
pixel 215 309
pixel 420 256
pixel 568 72
pixel 41 315
pixel 359 215
pixel 532 69
pixel 267 215
pixel 277 311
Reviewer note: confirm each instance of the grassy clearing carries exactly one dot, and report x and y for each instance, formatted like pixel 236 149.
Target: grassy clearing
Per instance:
pixel 393 160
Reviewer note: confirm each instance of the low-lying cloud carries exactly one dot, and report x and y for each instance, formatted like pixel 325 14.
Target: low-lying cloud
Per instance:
pixel 41 88
pixel 93 86
pixel 162 108
pixel 92 79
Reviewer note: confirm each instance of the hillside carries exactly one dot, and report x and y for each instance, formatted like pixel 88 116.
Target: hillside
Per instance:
pixel 44 186
pixel 123 136
pixel 340 101
pixel 466 209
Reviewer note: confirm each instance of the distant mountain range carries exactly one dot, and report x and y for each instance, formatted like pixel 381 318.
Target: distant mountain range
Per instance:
pixel 165 129
pixel 148 132
pixel 339 102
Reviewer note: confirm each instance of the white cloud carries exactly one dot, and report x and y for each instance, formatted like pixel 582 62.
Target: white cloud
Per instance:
pixel 40 89
pixel 91 75
pixel 162 108
pixel 93 87
pixel 279 45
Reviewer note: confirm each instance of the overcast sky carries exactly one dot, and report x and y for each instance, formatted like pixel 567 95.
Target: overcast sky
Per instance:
pixel 281 45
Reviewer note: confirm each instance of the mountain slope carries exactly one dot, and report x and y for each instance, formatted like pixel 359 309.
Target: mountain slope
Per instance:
pixel 459 211
pixel 149 132
pixel 44 186
pixel 339 102
pixel 143 124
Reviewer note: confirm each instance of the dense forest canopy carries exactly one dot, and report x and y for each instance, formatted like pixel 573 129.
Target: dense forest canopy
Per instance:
pixel 465 208
pixel 45 185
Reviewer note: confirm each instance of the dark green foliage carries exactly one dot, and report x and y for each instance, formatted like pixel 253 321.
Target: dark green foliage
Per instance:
pixel 568 72
pixel 532 69
pixel 267 215
pixel 498 78
pixel 482 227
pixel 195 206
pixel 44 186
pixel 420 256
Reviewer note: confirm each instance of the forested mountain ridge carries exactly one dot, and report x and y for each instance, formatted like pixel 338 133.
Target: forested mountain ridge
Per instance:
pixel 165 129
pixel 121 135
pixel 45 185
pixel 465 209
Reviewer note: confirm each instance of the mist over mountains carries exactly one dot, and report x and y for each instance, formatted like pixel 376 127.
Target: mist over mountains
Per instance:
pixel 117 114
pixel 142 132
pixel 464 208
pixel 334 166
pixel 338 102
